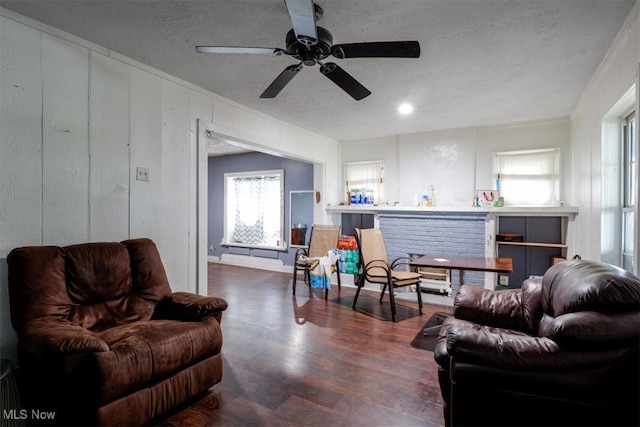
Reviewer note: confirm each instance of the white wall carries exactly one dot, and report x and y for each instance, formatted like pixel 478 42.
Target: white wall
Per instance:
pixel 617 74
pixel 457 162
pixel 76 121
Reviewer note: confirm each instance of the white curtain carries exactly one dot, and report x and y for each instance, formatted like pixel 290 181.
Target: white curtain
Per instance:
pixel 255 210
pixel 366 175
pixel 529 178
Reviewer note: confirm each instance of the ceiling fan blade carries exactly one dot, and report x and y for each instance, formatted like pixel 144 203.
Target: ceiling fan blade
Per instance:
pixel 240 49
pixel 344 80
pixel 402 49
pixel 303 19
pixel 281 81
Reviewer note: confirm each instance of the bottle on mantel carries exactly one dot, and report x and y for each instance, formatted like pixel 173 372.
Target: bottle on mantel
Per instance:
pixel 432 198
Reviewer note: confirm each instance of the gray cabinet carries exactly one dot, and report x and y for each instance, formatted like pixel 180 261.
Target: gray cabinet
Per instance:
pixel 350 221
pixel 542 242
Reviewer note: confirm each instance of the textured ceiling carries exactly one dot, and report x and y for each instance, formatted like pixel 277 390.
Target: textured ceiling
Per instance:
pixel 483 62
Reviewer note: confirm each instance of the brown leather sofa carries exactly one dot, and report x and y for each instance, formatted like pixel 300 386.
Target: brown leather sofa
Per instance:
pixel 562 350
pixel 102 340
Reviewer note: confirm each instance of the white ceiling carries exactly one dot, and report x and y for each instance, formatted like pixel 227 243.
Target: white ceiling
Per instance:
pixel 483 62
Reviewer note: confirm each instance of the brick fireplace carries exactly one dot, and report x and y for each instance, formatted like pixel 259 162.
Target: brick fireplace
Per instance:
pixel 436 232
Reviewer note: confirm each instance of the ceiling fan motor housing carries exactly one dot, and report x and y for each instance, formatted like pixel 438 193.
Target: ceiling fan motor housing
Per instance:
pixel 310 55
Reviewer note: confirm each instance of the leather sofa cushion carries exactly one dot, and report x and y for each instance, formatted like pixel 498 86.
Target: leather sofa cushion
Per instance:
pixel 531 306
pixel 38 271
pixel 49 338
pixel 100 285
pixel 150 280
pixel 580 285
pixel 97 272
pixel 114 283
pixel 498 309
pixel 147 351
pixel 108 314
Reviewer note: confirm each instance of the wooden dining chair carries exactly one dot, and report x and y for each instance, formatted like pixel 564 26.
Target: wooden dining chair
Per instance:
pixel 323 238
pixel 377 269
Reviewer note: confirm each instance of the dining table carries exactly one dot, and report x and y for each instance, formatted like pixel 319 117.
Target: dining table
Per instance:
pixel 462 264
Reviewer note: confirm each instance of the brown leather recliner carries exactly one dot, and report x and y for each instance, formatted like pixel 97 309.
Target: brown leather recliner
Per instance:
pixel 562 350
pixel 102 340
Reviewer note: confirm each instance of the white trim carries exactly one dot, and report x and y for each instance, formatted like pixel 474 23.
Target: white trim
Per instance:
pixel 252 262
pixel 230 223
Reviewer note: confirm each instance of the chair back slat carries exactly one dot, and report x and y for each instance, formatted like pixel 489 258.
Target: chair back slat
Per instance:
pixel 323 238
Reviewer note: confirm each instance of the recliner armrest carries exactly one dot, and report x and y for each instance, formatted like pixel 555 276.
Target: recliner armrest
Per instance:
pixel 502 309
pixel 46 337
pixel 189 307
pixel 520 352
pixel 586 328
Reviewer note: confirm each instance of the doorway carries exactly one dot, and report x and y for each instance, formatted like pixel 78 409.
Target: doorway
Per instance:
pixel 209 142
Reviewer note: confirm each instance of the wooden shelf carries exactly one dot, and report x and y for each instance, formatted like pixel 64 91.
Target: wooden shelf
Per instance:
pixel 543 241
pixel 541 245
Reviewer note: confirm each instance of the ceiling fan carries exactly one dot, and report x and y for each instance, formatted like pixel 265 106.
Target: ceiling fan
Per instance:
pixel 311 44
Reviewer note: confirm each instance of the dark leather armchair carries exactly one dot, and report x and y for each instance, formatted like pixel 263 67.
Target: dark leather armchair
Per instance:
pixel 562 350
pixel 102 339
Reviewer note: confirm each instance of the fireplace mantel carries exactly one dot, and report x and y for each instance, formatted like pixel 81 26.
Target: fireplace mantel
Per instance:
pixel 506 210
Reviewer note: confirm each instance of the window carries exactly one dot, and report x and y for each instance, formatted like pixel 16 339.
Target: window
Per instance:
pixel 254 209
pixel 366 175
pixel 529 178
pixel 629 190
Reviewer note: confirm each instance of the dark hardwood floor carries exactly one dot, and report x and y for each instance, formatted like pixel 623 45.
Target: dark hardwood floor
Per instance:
pixel 304 361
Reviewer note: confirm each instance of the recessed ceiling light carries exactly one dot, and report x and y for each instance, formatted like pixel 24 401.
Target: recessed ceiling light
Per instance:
pixel 405 108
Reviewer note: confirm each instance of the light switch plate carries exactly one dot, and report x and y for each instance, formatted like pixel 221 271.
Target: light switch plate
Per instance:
pixel 142 174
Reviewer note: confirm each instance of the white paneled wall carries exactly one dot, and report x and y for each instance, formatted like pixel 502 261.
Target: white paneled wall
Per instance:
pixel 174 198
pixel 76 122
pixel 21 138
pixel 108 149
pixel 146 132
pixel 21 153
pixel 65 141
